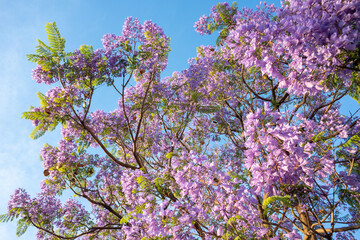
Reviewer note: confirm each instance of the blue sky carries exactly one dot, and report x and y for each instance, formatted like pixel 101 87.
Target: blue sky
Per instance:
pixel 80 22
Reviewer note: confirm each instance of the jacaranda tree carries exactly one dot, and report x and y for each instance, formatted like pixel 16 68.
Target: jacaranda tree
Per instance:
pixel 247 143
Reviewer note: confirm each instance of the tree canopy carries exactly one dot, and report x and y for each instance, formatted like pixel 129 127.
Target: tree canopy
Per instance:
pixel 247 143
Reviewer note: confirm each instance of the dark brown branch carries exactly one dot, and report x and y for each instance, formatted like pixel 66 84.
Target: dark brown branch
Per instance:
pixel 282 100
pixel 97 140
pixel 312 115
pixel 91 230
pixel 342 229
pixel 249 88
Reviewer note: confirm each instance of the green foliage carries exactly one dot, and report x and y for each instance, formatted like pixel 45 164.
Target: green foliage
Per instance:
pixel 82 146
pixel 42 117
pixel 267 201
pixel 43 101
pixel 125 219
pixel 354 140
pixel 56 42
pixel 351 198
pixel 143 182
pixel 230 234
pixel 154 238
pixel 22 226
pixel 318 137
pixel 233 220
pixel 87 50
pixel 225 23
pixel 161 184
pixel 42 49
pixel 52 54
pixel 355 86
pixel 7 217
pixel 208 109
pixel 170 155
pixel 138 209
pixel 41 129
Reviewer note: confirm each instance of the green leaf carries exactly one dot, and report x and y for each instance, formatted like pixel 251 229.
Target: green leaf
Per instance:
pixel 38 131
pixel 41 129
pixel 355 87
pixel 318 136
pixel 232 220
pixel 56 42
pixel 285 200
pixel 87 50
pixel 208 109
pixel 22 226
pixel 7 217
pixel 43 101
pixel 352 140
pixel 125 219
pixel 143 182
pixel 147 35
pixel 170 155
pixel 48 55
pixel 42 49
pixel 34 58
